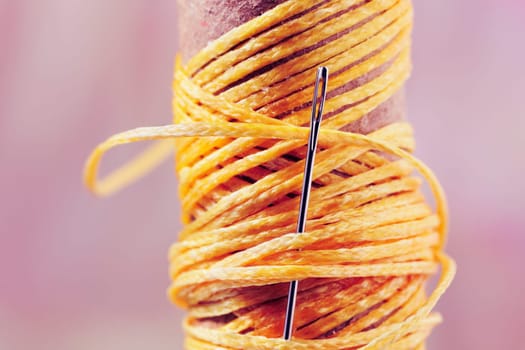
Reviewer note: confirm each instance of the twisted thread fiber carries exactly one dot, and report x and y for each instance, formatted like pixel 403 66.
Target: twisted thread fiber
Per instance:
pixel 241 108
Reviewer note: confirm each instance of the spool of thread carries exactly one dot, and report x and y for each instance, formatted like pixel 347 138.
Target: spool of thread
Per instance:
pixel 240 105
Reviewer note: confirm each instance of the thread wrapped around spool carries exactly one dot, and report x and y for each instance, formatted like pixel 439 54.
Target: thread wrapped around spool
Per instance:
pixel 240 109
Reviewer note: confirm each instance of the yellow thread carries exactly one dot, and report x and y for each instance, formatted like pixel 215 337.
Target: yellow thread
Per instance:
pixel 371 242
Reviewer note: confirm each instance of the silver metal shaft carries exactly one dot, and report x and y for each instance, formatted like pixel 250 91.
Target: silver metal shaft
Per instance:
pixel 315 123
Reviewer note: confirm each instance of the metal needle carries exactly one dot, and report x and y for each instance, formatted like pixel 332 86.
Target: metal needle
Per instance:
pixel 315 123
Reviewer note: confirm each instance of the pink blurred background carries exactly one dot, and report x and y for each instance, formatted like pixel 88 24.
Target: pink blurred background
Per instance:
pixel 83 273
